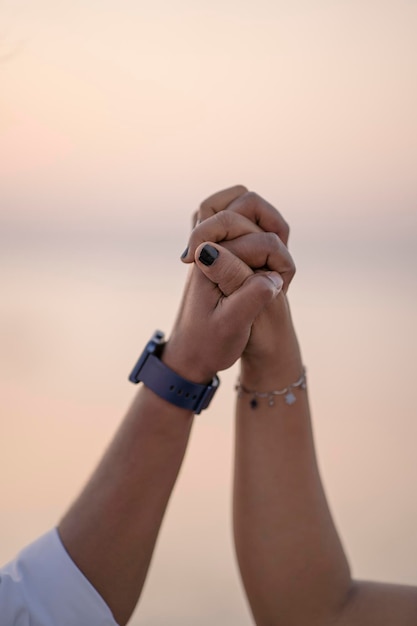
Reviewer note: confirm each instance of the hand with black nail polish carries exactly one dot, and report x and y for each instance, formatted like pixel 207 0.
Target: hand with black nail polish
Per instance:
pixel 222 298
pixel 208 255
pixel 251 228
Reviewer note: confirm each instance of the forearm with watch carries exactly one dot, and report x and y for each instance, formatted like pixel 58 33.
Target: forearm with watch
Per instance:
pixel 111 529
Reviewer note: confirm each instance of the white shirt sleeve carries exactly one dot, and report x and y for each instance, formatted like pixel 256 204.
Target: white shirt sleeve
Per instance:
pixel 44 587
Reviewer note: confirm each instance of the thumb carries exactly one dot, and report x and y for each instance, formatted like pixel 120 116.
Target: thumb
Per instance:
pixel 222 267
pixel 246 303
pixel 247 292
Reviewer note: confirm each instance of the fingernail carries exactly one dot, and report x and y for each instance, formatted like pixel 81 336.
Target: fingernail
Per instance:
pixel 208 255
pixel 276 279
pixel 184 254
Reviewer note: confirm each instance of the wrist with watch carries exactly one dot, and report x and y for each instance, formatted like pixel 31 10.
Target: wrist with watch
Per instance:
pixel 166 383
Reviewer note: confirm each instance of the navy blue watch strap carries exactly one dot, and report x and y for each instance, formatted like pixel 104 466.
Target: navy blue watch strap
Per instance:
pixel 167 384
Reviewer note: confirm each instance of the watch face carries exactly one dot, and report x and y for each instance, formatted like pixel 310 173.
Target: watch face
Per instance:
pixel 152 347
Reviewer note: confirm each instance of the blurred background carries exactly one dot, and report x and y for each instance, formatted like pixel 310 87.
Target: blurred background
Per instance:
pixel 116 119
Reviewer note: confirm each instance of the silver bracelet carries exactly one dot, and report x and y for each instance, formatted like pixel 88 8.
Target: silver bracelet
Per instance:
pixel 290 397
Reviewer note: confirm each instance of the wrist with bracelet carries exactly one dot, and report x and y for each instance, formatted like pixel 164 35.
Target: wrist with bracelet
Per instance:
pixel 271 396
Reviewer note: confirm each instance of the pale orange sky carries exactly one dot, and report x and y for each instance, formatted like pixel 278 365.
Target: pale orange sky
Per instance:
pixel 116 119
pixel 113 103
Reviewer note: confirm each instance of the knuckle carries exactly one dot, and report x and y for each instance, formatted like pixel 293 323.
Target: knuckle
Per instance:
pixel 290 270
pixel 240 189
pixel 290 264
pixel 252 198
pixel 213 228
pixel 224 219
pixel 264 288
pixel 273 240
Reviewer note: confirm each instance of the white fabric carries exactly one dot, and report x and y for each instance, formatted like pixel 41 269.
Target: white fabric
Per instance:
pixel 44 587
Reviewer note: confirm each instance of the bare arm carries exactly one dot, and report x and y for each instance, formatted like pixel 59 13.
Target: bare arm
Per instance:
pixel 290 557
pixel 111 529
pixel 292 563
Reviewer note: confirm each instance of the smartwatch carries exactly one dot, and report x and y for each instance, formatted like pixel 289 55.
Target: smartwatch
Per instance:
pixel 168 385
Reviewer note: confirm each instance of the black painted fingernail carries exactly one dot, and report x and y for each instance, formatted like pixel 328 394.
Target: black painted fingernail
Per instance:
pixel 184 254
pixel 208 255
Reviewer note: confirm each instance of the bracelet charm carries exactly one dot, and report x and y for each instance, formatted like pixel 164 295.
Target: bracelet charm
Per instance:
pixel 270 396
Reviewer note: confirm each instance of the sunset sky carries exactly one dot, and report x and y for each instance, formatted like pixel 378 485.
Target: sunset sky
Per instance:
pixel 116 120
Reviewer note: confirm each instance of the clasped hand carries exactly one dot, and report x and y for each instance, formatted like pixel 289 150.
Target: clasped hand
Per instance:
pixel 234 298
